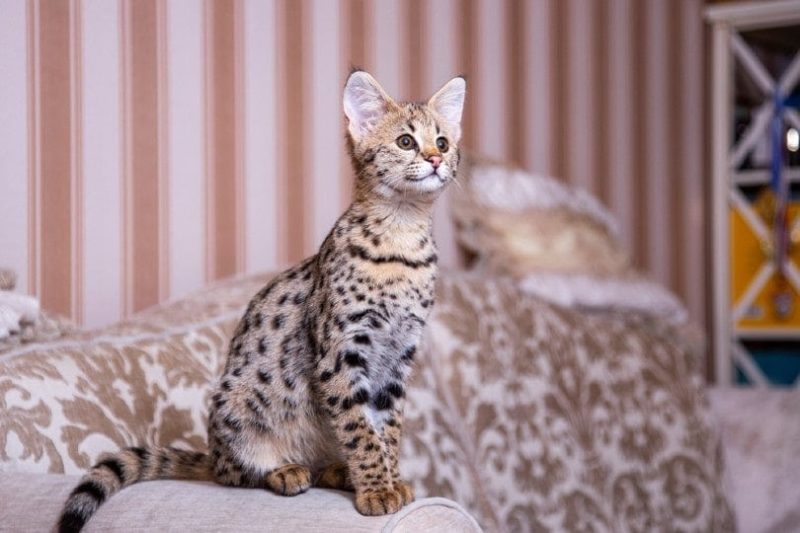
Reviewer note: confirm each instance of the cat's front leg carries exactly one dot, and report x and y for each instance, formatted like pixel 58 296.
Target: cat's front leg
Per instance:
pixel 392 431
pixel 346 390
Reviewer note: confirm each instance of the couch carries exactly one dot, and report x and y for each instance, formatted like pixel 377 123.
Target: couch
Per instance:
pixel 522 414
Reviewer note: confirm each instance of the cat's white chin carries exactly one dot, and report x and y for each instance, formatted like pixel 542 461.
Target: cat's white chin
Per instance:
pixel 427 184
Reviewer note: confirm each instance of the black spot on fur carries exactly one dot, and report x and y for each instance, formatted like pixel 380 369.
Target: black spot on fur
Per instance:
pixel 383 401
pixel 263 399
pixel 353 444
pixel 253 406
pixel 115 466
pixel 351 426
pixel 326 376
pixel 289 382
pixel 361 253
pixel 232 423
pixel 91 489
pixel 262 345
pixel 333 400
pixel 361 396
pixel 408 355
pixel 354 359
pixel 142 453
pixel 356 317
pixel 219 401
pixel 362 339
pixel 277 322
pixel 71 522
pixel 264 377
pixel 395 389
pixel 266 290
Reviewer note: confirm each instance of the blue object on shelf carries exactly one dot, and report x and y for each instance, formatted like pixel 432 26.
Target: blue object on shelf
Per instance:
pixel 780 366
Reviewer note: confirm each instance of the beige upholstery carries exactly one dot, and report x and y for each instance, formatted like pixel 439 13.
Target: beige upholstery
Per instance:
pixel 32 503
pixel 531 416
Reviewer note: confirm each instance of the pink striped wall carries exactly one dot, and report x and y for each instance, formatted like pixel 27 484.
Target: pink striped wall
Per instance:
pixel 148 147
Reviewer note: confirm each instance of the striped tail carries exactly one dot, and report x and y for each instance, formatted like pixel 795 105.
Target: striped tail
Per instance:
pixel 129 466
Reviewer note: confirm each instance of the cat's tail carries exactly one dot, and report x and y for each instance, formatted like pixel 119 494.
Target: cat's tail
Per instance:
pixel 116 471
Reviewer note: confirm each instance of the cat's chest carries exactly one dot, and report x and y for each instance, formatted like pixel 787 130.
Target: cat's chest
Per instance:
pixel 404 299
pixel 387 305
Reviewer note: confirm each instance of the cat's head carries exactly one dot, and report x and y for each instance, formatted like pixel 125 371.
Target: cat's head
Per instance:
pixel 407 150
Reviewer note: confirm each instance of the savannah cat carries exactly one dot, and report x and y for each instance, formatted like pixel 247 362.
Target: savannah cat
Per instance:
pixel 313 388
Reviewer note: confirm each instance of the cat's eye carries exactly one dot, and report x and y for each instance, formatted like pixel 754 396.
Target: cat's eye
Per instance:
pixel 442 144
pixel 406 142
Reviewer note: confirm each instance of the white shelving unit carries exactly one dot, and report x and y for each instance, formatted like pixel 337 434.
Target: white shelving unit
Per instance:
pixel 730 51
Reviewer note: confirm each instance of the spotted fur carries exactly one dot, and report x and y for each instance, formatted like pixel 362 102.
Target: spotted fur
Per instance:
pixel 314 384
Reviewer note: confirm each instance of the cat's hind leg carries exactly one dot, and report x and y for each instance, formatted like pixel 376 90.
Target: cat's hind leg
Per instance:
pixel 335 476
pixel 289 480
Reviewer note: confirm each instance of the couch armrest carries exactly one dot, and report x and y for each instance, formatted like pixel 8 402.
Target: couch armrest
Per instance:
pixel 760 429
pixel 32 502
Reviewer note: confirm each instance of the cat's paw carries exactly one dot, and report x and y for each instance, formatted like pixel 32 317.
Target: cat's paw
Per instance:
pixel 405 490
pixel 335 476
pixel 289 480
pixel 379 502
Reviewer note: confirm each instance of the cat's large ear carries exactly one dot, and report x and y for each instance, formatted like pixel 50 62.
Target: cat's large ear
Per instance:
pixel 365 103
pixel 448 102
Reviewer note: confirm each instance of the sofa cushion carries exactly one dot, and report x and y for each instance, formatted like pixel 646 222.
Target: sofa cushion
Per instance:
pixel 517 223
pixel 760 430
pixel 32 502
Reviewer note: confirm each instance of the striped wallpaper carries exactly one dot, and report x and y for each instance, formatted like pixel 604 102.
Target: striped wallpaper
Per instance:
pixel 148 147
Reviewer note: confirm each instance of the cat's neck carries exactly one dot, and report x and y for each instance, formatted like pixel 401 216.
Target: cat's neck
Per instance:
pixel 395 214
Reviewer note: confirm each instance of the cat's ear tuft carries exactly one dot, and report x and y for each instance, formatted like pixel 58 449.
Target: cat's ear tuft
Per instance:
pixel 448 102
pixel 365 103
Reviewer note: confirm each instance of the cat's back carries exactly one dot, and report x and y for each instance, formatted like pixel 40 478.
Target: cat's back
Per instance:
pixel 268 345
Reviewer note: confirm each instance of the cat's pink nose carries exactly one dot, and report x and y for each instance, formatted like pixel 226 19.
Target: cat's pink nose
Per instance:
pixel 435 161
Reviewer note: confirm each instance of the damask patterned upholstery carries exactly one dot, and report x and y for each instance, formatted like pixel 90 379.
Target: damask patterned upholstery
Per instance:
pixel 531 416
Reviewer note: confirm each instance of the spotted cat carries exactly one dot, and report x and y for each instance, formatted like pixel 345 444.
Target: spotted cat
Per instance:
pixel 314 384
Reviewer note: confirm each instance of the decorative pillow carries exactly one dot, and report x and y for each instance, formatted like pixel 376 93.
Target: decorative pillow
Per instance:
pixel 516 223
pixel 21 319
pixel 626 293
